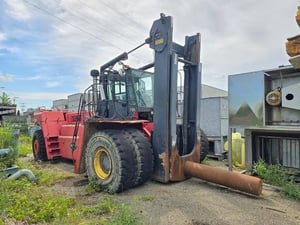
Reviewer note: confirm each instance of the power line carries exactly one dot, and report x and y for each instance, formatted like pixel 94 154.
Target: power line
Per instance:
pixel 120 13
pixel 99 28
pixel 75 26
pixel 72 25
pixel 114 10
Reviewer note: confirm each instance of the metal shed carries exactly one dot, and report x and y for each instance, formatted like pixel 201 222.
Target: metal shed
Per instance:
pixel 266 104
pixel 214 122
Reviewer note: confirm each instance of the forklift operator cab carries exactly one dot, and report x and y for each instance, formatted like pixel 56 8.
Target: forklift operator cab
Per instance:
pixel 127 93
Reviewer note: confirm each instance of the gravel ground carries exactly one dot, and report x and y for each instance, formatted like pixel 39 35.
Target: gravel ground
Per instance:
pixel 196 202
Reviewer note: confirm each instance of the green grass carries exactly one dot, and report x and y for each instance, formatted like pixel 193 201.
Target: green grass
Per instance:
pixel 25 146
pixel 277 175
pixel 104 206
pixel 6 137
pixel 124 215
pixel 146 198
pixel 291 190
pixel 23 202
pixel 46 174
pixel 273 174
pixel 205 162
pixel 92 187
pixel 7 141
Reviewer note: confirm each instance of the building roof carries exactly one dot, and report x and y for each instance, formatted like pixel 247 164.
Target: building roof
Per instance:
pixel 209 91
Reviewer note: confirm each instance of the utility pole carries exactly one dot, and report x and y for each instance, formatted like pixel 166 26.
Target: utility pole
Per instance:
pixel 22 105
pixel 15 97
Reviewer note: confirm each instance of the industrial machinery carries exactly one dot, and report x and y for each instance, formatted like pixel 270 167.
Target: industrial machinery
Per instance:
pixel 269 114
pixel 126 130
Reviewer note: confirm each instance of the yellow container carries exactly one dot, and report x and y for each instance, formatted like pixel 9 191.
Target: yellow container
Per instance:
pixel 238 150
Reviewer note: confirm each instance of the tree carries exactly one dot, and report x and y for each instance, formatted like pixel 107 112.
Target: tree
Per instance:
pixel 5 99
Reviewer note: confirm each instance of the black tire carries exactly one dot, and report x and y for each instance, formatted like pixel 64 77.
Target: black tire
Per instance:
pixel 111 160
pixel 38 146
pixel 144 155
pixel 204 146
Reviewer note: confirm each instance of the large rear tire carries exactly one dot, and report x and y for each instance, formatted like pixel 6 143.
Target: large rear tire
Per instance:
pixel 38 146
pixel 144 155
pixel 111 160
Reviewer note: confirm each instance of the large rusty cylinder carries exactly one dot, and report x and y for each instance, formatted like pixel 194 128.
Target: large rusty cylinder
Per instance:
pixel 292 46
pixel 234 180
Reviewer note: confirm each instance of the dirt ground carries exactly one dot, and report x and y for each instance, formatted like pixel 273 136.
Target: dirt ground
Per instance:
pixel 195 202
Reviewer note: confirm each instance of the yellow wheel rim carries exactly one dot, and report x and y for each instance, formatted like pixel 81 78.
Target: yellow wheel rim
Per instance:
pixel 102 163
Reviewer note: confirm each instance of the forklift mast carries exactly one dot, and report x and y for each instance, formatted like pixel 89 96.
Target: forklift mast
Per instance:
pixel 167 134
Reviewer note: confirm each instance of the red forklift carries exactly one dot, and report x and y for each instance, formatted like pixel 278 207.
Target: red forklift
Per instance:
pixel 127 129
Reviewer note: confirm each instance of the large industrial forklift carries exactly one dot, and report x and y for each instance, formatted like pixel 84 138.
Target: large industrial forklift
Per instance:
pixel 128 128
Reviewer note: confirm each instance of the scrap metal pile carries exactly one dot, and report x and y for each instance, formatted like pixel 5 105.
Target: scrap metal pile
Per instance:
pixel 293 45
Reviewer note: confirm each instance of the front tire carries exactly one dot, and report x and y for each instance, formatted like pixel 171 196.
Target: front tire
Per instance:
pixel 144 155
pixel 111 160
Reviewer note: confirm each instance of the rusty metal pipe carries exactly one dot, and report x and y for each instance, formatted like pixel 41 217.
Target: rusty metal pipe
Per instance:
pixel 235 180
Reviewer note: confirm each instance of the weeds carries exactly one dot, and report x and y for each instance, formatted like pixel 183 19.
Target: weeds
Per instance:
pixel 8 141
pixel 277 175
pixel 273 174
pixel 124 216
pixel 93 186
pixel 105 206
pixel 46 174
pixel 291 190
pixel 25 147
pixel 23 202
pixel 205 162
pixel 7 160
pixel 109 212
pixel 147 198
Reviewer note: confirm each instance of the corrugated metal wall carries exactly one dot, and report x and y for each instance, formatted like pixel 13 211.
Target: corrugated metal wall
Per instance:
pixel 291 152
pixel 214 121
pixel 282 150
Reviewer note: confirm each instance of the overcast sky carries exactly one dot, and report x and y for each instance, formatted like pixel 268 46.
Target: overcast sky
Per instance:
pixel 48 47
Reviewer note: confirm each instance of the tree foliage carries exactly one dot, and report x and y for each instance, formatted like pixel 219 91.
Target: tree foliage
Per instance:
pixel 5 99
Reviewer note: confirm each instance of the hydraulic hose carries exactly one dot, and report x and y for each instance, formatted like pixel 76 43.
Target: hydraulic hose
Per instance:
pixel 23 172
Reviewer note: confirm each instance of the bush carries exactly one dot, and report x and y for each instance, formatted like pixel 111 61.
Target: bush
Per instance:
pixel 291 190
pixel 8 141
pixel 277 175
pixel 272 174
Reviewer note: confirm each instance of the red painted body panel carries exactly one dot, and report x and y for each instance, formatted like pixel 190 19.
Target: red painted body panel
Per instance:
pixel 58 129
pixel 51 122
pixel 147 129
pixel 65 140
